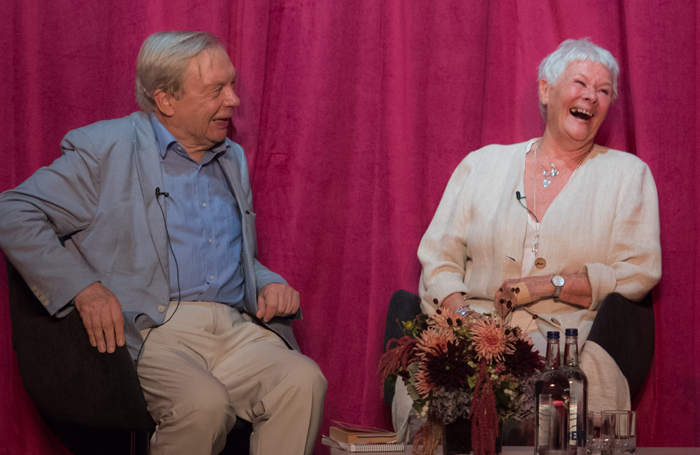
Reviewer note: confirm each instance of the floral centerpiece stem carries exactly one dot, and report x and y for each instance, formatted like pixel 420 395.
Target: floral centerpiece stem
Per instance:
pixel 484 414
pixel 429 436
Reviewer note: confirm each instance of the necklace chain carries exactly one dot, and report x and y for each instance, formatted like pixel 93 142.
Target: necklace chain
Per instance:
pixel 536 240
pixel 554 173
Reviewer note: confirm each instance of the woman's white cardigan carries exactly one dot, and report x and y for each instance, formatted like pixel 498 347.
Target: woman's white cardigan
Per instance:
pixel 604 222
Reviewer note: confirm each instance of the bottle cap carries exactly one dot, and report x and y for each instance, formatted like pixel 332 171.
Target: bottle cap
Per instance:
pixel 572 332
pixel 552 335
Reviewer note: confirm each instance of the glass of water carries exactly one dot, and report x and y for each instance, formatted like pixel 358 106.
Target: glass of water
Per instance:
pixel 622 428
pixel 598 436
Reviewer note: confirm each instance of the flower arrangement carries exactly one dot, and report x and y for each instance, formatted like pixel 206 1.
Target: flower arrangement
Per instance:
pixel 471 366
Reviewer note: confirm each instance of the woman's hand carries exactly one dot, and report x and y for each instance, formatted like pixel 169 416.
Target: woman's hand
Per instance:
pixel 453 302
pixel 521 291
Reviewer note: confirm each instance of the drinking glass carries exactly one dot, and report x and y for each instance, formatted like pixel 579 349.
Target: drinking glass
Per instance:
pixel 598 436
pixel 622 426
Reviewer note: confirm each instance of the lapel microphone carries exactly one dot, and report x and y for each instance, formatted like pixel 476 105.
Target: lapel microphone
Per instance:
pixel 517 196
pixel 160 193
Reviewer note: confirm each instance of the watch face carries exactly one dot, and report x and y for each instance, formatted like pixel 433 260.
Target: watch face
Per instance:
pixel 557 281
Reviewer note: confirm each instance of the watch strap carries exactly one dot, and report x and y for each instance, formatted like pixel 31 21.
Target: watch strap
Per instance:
pixel 558 283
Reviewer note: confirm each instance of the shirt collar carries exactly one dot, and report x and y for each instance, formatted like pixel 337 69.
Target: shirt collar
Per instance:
pixel 165 140
pixel 163 137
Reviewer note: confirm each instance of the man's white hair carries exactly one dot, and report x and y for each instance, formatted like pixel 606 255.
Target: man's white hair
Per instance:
pixel 569 51
pixel 163 61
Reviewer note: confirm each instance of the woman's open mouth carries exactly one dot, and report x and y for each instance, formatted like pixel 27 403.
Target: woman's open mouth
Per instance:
pixel 581 114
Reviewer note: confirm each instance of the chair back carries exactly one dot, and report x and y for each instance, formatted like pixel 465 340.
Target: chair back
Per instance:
pixel 69 380
pixel 625 329
pixel 404 306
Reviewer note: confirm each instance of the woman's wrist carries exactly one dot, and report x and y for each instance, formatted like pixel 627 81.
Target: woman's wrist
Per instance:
pixel 454 301
pixel 575 289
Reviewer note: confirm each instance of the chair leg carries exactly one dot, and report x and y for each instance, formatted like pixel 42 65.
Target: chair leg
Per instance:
pixel 140 443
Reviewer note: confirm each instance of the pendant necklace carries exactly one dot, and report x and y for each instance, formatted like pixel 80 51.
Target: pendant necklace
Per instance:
pixel 536 240
pixel 554 173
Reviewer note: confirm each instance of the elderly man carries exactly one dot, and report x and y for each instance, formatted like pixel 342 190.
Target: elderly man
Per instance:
pixel 145 226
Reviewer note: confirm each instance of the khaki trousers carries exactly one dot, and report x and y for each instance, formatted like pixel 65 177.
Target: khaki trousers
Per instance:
pixel 210 364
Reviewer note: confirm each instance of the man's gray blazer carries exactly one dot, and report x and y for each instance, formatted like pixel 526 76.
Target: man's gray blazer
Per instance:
pixel 92 215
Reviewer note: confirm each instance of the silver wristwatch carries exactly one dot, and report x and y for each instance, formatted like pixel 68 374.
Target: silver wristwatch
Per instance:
pixel 558 283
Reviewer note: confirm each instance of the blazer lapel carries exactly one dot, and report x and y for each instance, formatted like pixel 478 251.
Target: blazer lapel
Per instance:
pixel 151 177
pixel 232 171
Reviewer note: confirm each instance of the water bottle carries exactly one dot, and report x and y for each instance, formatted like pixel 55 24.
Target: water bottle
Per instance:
pixel 578 395
pixel 552 404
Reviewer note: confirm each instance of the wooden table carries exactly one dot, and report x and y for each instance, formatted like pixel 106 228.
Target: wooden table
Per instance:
pixel 511 450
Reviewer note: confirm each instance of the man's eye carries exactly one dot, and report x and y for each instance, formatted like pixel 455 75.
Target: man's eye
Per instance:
pixel 580 82
pixel 605 91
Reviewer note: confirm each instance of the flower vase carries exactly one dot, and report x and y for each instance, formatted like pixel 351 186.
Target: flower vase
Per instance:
pixel 458 437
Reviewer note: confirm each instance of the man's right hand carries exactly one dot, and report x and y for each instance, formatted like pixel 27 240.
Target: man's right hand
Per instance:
pixel 102 317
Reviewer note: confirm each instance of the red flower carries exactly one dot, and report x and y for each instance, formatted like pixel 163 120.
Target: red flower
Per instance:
pixel 524 360
pixel 444 366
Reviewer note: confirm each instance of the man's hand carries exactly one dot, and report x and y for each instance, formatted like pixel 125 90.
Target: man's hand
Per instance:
pixel 102 317
pixel 277 299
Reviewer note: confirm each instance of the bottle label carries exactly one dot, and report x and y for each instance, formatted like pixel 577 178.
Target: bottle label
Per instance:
pixel 552 434
pixel 573 413
pixel 575 427
pixel 545 414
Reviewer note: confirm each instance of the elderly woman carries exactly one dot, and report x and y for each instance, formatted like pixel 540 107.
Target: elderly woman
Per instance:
pixel 551 226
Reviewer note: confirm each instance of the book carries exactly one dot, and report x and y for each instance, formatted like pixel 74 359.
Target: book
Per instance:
pixel 359 448
pixel 350 433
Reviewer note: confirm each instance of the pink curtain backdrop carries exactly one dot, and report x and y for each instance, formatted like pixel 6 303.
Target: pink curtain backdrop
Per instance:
pixel 354 114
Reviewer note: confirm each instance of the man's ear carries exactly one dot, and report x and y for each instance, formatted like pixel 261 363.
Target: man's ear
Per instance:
pixel 164 101
pixel 543 91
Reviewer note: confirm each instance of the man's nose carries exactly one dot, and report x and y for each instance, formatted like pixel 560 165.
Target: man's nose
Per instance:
pixel 231 98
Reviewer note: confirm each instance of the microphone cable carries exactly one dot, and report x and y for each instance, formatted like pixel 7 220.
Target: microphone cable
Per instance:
pixel 177 274
pixel 519 198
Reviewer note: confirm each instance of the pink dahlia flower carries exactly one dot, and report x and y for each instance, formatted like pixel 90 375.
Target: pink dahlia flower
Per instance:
pixel 432 340
pixel 490 340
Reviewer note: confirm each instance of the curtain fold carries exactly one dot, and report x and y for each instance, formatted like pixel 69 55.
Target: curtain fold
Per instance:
pixel 353 116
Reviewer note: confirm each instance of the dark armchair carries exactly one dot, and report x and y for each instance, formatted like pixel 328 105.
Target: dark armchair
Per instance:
pixel 92 402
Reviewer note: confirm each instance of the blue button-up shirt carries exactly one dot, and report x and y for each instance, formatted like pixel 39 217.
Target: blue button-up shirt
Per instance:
pixel 202 222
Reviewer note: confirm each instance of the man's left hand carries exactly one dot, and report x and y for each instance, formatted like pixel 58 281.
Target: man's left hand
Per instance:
pixel 277 299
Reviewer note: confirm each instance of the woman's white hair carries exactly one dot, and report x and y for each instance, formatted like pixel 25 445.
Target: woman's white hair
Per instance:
pixel 163 61
pixel 571 50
